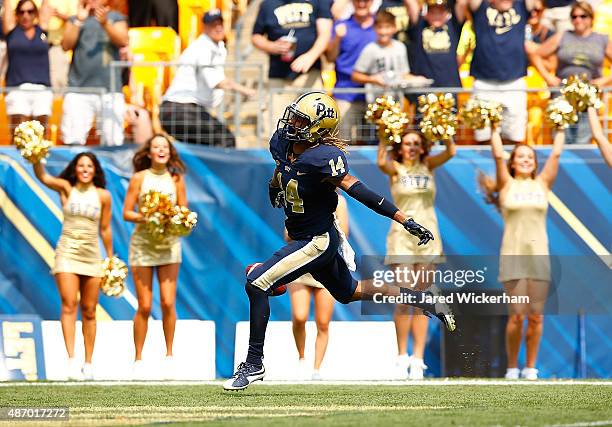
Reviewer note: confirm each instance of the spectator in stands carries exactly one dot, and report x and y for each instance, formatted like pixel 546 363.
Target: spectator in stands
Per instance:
pixel 197 89
pixel 294 34
pixel 95 36
pixel 556 16
pixel 350 38
pixel 384 62
pixel 410 169
pixel 59 60
pixel 500 61
pixel 301 291
pixel 434 37
pixel 600 137
pixel 147 13
pixel 78 262
pixel 521 194
pixel 582 52
pixel 28 62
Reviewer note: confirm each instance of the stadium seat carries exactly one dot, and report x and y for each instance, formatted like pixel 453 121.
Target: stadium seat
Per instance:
pixel 152 44
pixel 190 18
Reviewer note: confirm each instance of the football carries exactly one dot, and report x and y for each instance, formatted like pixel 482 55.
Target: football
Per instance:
pixel 276 292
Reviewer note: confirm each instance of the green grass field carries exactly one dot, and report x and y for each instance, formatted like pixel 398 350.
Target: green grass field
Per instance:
pixel 463 404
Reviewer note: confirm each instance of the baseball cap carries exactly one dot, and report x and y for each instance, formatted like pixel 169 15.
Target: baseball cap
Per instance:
pixel 211 16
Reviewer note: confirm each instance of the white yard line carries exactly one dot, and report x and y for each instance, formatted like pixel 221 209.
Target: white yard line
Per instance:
pixel 433 382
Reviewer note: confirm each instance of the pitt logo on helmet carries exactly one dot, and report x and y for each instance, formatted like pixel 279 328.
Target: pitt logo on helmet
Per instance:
pixel 322 111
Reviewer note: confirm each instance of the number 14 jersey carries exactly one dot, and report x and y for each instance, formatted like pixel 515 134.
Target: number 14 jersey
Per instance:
pixel 310 200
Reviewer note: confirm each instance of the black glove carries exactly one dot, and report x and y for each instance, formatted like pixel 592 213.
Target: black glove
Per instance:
pixel 277 196
pixel 418 230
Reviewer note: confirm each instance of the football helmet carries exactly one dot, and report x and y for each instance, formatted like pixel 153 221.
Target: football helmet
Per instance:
pixel 310 117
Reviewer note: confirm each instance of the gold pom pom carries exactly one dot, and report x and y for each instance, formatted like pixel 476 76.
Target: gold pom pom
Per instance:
pixel 439 121
pixel 157 209
pixel 114 276
pixel 480 114
pixel 28 138
pixel 580 93
pixel 182 222
pixel 391 120
pixel 560 113
pixel 164 218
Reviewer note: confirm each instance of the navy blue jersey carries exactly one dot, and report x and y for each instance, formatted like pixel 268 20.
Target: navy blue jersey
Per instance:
pixel 276 18
pixel 500 42
pixel 311 201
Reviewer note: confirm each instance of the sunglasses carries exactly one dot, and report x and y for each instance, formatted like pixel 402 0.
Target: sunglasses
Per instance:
pixel 26 12
pixel 580 16
pixel 533 11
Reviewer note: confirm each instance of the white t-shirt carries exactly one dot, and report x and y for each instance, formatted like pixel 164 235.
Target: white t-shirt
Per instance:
pixel 196 85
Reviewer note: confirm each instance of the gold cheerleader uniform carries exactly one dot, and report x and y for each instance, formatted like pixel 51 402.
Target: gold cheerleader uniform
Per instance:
pixel 414 189
pixel 78 250
pixel 524 248
pixel 145 250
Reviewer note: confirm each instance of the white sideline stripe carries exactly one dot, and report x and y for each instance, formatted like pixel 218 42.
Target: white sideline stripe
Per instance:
pixel 584 424
pixel 404 383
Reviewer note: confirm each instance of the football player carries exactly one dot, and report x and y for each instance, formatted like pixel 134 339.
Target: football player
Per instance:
pixel 310 164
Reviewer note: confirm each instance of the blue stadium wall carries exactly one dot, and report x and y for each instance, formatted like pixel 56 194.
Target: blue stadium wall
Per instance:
pixel 237 226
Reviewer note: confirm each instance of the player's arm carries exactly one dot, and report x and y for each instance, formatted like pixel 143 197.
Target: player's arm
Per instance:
pixel 379 204
pixel 275 191
pixel 604 146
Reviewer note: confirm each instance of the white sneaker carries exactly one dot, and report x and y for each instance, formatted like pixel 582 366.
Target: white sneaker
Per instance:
pixel 169 368
pixel 401 367
pixel 139 371
pixel 75 372
pixel 529 374
pixel 416 369
pixel 512 374
pixel 88 372
pixel 316 375
pixel 303 370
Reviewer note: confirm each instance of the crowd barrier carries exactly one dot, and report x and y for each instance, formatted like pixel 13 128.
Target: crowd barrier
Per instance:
pixel 237 227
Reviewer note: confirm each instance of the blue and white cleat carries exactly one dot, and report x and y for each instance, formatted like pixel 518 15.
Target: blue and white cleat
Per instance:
pixel 245 374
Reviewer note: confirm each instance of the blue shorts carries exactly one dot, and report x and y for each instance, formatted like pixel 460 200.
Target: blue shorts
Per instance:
pixel 318 256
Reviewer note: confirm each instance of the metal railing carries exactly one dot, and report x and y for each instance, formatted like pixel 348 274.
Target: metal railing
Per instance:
pixel 537 99
pixel 231 112
pixel 55 121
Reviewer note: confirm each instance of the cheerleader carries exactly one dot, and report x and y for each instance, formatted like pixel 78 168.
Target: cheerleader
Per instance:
pixel 410 169
pixel 301 291
pixel 86 207
pixel 157 166
pixel 524 268
pixel 600 137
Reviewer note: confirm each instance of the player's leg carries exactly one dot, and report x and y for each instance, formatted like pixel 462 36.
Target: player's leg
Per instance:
pixel 537 290
pixel 324 308
pixel 366 290
pixel 286 265
pixel 300 306
pixel 514 326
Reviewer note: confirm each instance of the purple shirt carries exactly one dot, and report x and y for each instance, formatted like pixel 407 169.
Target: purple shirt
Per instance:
pixel 351 45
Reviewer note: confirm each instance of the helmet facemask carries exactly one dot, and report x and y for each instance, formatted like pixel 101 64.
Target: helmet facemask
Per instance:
pixel 297 126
